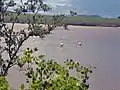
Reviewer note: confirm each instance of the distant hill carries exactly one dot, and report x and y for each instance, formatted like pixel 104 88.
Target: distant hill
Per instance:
pixel 97 16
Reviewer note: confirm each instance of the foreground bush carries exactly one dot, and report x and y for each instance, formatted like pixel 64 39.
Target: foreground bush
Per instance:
pixel 3 83
pixel 49 75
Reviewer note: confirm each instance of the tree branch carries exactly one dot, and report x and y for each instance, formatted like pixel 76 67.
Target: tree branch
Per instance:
pixel 10 64
pixel 10 31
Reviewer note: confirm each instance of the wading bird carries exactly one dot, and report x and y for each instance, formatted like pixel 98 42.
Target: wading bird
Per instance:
pixel 80 43
pixel 61 44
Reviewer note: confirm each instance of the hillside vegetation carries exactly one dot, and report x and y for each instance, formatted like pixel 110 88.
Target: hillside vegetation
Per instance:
pixel 71 20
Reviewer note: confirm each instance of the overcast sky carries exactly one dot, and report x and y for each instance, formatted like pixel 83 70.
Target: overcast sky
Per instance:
pixel 100 7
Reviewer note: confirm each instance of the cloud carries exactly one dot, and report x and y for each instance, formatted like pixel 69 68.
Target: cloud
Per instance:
pixel 100 7
pixel 64 6
pixel 60 6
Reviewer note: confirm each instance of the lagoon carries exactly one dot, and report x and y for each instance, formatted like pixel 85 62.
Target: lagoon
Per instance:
pixel 101 48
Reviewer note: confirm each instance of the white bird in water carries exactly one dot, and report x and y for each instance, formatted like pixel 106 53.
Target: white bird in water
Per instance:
pixel 61 44
pixel 80 43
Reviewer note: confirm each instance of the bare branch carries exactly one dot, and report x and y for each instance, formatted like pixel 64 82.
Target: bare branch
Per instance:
pixel 10 64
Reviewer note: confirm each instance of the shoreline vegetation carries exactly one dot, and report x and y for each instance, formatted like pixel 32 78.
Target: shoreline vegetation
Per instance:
pixel 96 25
pixel 19 25
pixel 81 20
pixel 85 24
pixel 82 24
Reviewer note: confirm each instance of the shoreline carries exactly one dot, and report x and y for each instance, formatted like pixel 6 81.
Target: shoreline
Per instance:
pixel 96 25
pixel 90 26
pixel 69 25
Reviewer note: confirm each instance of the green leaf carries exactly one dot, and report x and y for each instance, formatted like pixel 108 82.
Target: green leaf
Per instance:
pixel 22 87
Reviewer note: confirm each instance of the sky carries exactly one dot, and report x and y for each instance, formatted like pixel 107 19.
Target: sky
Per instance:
pixel 106 8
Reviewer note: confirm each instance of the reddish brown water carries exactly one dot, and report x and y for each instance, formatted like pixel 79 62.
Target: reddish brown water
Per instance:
pixel 101 48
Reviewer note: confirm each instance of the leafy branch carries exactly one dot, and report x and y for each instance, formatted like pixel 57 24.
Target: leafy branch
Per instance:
pixel 49 75
pixel 15 39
